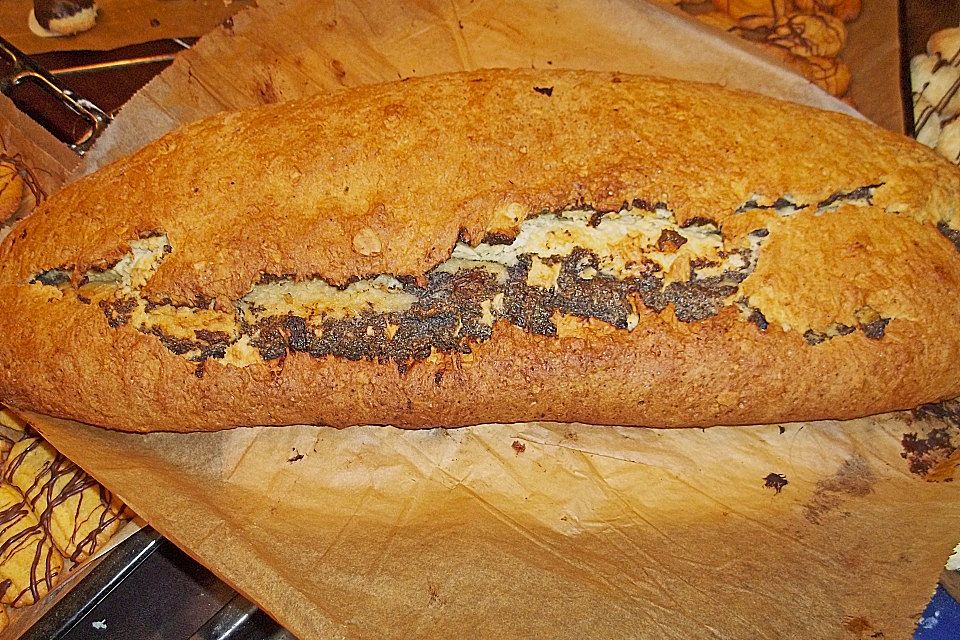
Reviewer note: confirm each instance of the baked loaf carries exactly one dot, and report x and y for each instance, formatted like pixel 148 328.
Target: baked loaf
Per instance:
pixel 493 246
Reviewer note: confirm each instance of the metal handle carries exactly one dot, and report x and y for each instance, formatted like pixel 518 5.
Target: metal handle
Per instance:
pixel 241 619
pixel 224 625
pixel 24 69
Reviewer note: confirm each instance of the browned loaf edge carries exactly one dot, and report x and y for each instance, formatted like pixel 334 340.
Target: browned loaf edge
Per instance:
pixel 805 265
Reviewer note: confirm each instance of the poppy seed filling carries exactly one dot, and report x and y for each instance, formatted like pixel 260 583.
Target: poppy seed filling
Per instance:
pixel 572 263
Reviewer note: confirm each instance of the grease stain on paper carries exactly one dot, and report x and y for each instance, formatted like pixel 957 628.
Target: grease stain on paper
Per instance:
pixel 862 628
pixel 854 478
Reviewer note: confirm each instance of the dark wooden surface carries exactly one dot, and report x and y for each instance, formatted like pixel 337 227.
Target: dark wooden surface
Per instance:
pixel 923 17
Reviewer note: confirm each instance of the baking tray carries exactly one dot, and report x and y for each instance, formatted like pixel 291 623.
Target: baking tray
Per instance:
pixel 147 588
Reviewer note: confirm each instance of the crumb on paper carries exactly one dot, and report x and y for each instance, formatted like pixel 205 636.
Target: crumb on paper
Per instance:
pixel 100 624
pixel 926 451
pixel 929 622
pixel 297 456
pixel 436 600
pixel 518 446
pixel 775 481
pixel 862 628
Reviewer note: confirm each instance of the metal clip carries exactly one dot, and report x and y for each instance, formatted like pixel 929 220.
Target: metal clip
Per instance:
pixel 24 69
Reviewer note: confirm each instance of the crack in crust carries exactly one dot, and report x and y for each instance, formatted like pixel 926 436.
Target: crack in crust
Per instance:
pixel 864 193
pixel 953 235
pixel 456 310
pixel 786 205
pixel 871 323
pixel 572 262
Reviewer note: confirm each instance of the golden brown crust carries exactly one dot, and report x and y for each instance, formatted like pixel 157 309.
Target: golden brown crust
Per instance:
pixel 383 180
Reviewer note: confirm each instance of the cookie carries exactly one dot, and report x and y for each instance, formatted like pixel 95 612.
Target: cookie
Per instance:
pixel 30 565
pixel 78 513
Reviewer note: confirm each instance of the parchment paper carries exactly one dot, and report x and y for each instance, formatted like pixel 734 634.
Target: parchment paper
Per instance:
pixel 42 160
pixel 534 530
pixel 554 531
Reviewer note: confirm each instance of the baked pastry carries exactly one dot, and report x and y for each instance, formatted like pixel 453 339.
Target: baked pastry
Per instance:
pixel 76 512
pixel 845 10
pixel 738 9
pixel 948 142
pixel 935 78
pixel 11 190
pixel 830 74
pixel 52 18
pixel 938 82
pixel 806 35
pixel 926 121
pixel 11 421
pixel 945 45
pixel 6 444
pixel 29 564
pixel 493 246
